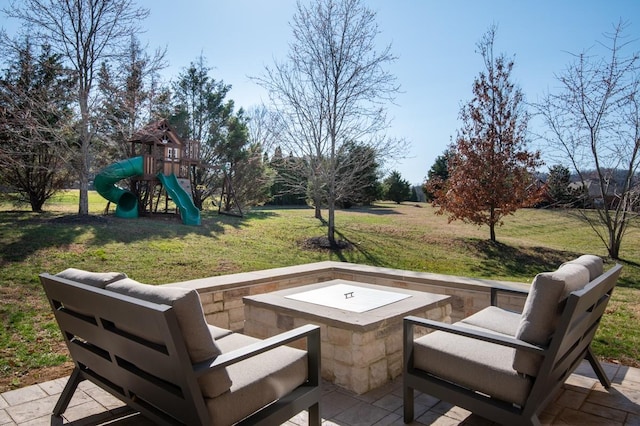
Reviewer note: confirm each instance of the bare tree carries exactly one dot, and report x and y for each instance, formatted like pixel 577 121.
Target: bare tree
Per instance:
pixel 263 128
pixel 85 32
pixel 329 92
pixel 594 122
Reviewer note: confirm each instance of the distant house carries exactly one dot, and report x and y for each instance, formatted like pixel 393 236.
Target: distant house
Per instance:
pixel 597 195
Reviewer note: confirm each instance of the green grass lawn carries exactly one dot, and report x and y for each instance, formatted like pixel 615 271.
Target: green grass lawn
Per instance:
pixel 161 249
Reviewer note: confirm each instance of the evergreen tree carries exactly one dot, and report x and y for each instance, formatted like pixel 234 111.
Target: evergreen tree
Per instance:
pixel 202 113
pixel 364 185
pixel 437 175
pixel 396 188
pixel 36 120
pixel 128 88
pixel 283 194
pixel 558 184
pixel 244 165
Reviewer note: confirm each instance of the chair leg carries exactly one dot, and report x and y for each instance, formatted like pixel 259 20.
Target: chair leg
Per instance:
pixel 602 376
pixel 67 393
pixel 408 404
pixel 533 421
pixel 314 415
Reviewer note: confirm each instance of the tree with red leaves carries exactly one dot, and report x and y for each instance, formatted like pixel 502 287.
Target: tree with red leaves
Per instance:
pixel 490 168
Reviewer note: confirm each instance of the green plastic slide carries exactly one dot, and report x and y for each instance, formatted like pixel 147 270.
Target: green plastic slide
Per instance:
pixel 105 183
pixel 188 211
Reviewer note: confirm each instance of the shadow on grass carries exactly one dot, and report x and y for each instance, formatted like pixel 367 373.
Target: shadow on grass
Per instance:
pixel 24 233
pixel 630 276
pixel 630 263
pixel 500 259
pixel 376 210
pixel 367 255
pixel 344 247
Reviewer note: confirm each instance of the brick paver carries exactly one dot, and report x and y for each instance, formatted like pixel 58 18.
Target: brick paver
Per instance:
pixel 582 400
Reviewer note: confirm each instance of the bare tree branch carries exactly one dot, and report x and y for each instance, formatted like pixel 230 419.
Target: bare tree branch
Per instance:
pixel 330 92
pixel 593 120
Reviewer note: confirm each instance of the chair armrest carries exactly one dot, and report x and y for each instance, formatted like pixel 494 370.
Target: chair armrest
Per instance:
pixel 496 290
pixel 309 331
pixel 497 339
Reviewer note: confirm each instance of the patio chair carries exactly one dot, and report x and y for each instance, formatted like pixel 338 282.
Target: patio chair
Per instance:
pixel 150 347
pixel 507 366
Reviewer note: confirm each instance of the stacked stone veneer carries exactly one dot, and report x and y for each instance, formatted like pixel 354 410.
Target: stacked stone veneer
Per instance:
pixel 222 295
pixel 359 353
pixel 222 301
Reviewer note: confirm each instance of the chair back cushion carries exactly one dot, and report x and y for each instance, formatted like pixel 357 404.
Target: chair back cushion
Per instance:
pixel 594 264
pixel 543 309
pixel 198 338
pixel 95 279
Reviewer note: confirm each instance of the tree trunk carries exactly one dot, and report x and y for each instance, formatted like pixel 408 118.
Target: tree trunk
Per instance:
pixel 83 205
pixel 83 178
pixel 614 247
pixel 36 201
pixel 614 253
pixel 331 228
pixel 492 224
pixel 318 213
pixel 85 159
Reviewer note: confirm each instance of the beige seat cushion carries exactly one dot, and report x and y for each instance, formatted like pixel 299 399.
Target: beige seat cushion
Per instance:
pixel 477 365
pixel 197 334
pixel 542 310
pixel 95 279
pixel 257 381
pixel 218 332
pixel 494 319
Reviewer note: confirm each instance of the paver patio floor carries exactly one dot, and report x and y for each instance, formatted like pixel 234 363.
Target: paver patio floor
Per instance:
pixel 581 401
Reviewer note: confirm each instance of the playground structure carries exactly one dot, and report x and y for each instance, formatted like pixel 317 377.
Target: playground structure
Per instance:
pixel 158 171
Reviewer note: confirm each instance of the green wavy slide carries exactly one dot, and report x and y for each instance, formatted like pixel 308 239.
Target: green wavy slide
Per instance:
pixel 105 184
pixel 188 211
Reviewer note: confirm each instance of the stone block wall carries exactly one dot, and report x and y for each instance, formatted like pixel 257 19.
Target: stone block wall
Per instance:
pixel 352 357
pixel 222 302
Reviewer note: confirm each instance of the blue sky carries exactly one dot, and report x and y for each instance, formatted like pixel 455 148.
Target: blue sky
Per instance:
pixel 435 42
